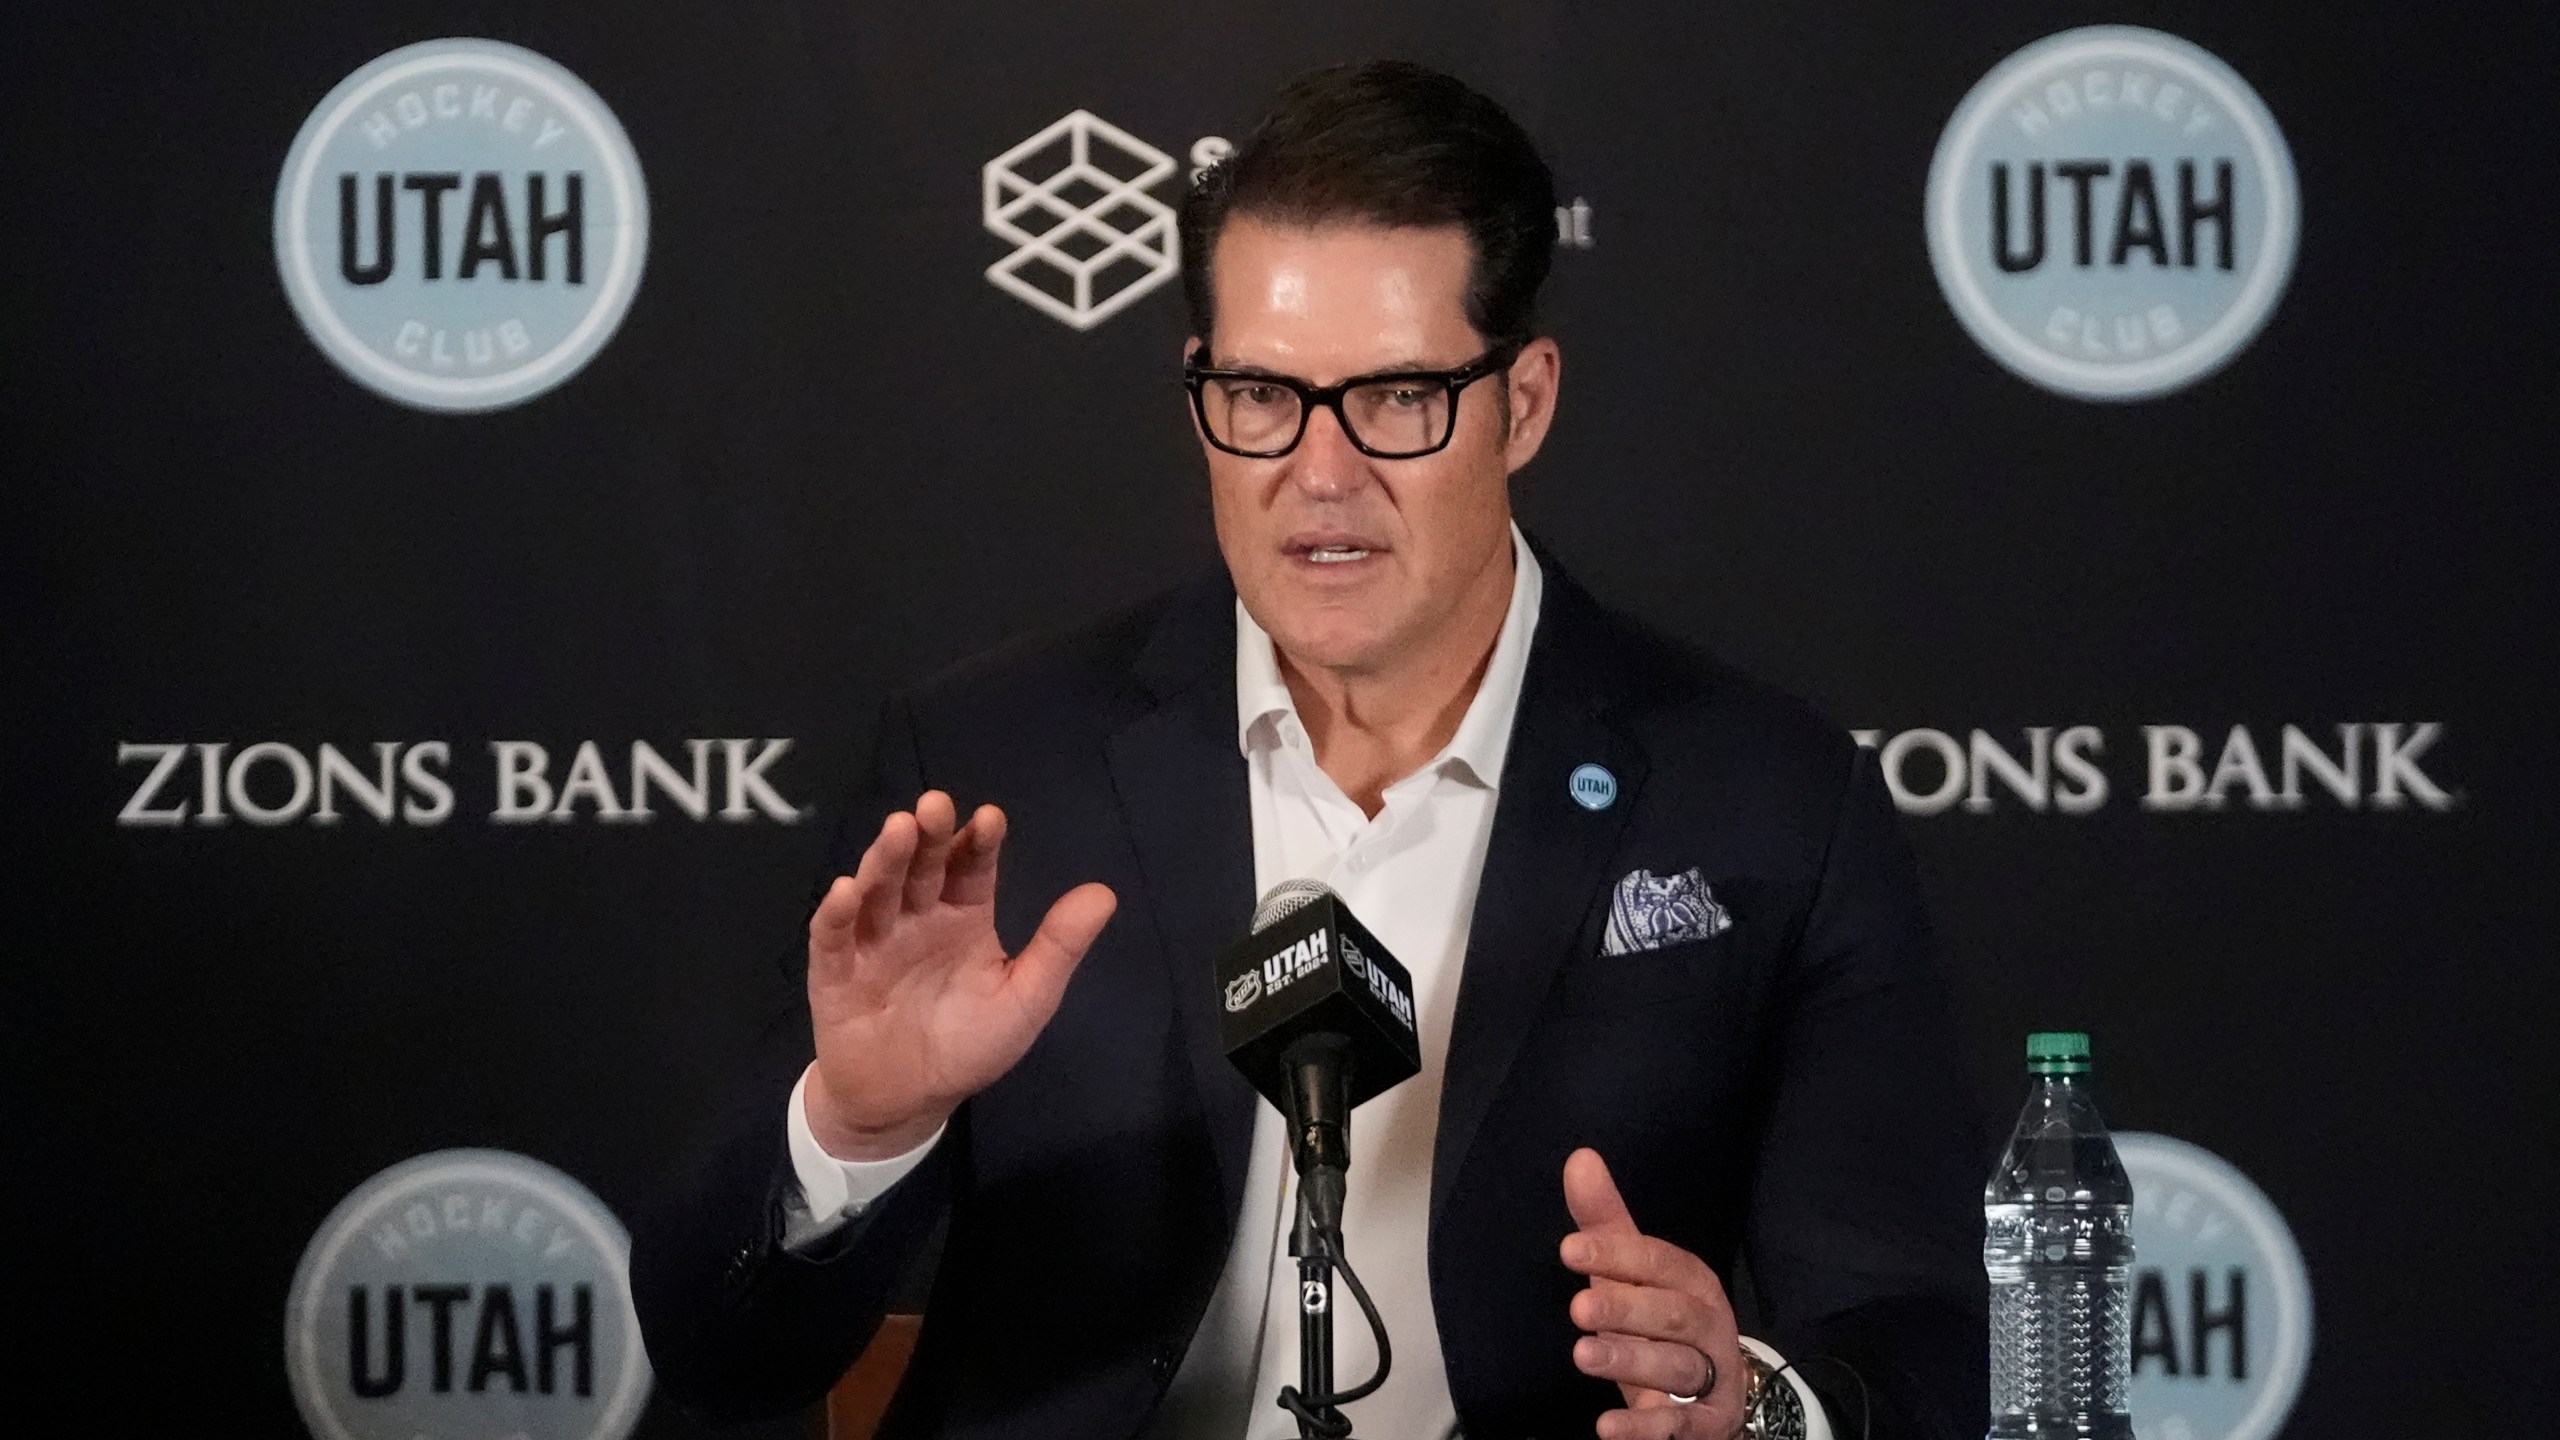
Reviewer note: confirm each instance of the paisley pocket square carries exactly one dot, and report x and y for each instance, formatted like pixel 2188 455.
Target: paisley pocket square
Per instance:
pixel 1649 911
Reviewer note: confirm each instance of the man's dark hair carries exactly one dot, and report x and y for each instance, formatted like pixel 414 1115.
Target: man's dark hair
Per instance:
pixel 1387 142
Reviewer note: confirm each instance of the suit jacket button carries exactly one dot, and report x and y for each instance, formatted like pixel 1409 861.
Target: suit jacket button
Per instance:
pixel 1160 1362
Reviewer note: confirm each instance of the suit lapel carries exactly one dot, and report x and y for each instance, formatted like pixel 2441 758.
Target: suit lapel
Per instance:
pixel 1181 780
pixel 1546 863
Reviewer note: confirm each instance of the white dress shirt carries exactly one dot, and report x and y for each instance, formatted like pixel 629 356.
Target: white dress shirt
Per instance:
pixel 1410 874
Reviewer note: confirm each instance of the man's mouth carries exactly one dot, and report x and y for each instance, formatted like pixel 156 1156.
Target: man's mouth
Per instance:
pixel 1332 547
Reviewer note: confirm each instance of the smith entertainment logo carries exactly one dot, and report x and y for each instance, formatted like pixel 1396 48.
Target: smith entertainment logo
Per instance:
pixel 2353 766
pixel 1089 235
pixel 2221 1299
pixel 2112 213
pixel 1077 202
pixel 467 1292
pixel 461 225
pixel 402 782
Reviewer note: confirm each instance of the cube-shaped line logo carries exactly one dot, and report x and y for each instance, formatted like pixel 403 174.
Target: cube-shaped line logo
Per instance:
pixel 1088 237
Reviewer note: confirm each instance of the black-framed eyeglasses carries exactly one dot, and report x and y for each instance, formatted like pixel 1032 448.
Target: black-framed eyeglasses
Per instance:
pixel 1390 415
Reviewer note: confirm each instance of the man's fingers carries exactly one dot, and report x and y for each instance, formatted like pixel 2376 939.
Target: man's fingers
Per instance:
pixel 972 868
pixel 935 819
pixel 1657 1314
pixel 1592 1195
pixel 852 899
pixel 1042 969
pixel 884 863
pixel 1637 1259
pixel 1647 1311
pixel 1667 1366
pixel 1665 1421
pixel 836 910
pixel 883 871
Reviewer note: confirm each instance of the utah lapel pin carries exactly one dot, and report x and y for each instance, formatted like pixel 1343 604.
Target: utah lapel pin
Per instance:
pixel 1593 787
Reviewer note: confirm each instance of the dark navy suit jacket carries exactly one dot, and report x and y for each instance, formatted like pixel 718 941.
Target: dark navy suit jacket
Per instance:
pixel 1785 1093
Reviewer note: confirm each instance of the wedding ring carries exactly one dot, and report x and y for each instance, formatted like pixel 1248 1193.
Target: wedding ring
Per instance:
pixel 1705 1389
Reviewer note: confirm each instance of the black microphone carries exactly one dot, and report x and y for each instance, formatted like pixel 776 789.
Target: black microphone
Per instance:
pixel 1320 1018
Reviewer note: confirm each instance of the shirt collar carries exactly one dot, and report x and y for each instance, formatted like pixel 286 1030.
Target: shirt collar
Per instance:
pixel 1264 705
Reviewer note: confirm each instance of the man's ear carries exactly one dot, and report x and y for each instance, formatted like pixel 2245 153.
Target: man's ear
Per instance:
pixel 1195 349
pixel 1530 387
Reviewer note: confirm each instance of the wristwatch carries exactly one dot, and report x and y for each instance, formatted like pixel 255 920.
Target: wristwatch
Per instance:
pixel 1771 1409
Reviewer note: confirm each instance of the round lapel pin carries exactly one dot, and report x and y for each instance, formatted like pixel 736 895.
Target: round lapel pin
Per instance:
pixel 1593 787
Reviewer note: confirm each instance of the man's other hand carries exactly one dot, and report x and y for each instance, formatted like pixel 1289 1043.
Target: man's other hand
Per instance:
pixel 914 1004
pixel 1658 1319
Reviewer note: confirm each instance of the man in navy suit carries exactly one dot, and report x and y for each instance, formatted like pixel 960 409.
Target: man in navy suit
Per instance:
pixel 1676 994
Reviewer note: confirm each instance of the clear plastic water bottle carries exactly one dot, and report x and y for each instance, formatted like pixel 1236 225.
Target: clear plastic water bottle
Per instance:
pixel 2058 1242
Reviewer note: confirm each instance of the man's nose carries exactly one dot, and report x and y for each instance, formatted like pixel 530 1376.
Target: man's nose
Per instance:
pixel 1326 465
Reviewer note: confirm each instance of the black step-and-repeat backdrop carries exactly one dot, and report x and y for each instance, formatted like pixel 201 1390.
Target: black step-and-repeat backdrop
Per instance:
pixel 476 468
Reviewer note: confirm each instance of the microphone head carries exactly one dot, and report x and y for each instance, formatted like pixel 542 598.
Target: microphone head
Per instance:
pixel 1310 969
pixel 1286 899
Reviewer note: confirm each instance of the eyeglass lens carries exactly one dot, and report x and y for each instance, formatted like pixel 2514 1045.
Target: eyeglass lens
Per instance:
pixel 1391 417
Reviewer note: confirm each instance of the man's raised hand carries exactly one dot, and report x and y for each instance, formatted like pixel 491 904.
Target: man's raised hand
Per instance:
pixel 914 1004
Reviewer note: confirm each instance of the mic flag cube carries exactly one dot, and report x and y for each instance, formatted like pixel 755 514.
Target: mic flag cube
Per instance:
pixel 1318 970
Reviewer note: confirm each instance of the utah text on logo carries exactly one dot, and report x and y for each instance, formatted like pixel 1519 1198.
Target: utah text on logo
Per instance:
pixel 1074 201
pixel 466 1292
pixel 2112 213
pixel 2221 1300
pixel 1297 961
pixel 461 225
pixel 1382 986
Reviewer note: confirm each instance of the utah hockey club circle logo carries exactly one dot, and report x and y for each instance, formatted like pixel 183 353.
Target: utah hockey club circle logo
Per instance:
pixel 461 225
pixel 1089 237
pixel 466 1292
pixel 2221 1319
pixel 2112 213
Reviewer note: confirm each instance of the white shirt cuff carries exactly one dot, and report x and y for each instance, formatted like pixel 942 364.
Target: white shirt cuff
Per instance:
pixel 832 1190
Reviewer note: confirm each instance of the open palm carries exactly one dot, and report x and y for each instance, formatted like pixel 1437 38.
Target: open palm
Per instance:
pixel 914 1003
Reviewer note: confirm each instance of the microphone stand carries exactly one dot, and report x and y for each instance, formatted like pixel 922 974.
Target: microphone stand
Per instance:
pixel 1315 1299
pixel 1319 1094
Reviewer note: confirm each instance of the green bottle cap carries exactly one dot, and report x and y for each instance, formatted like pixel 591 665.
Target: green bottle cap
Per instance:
pixel 2058 1052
